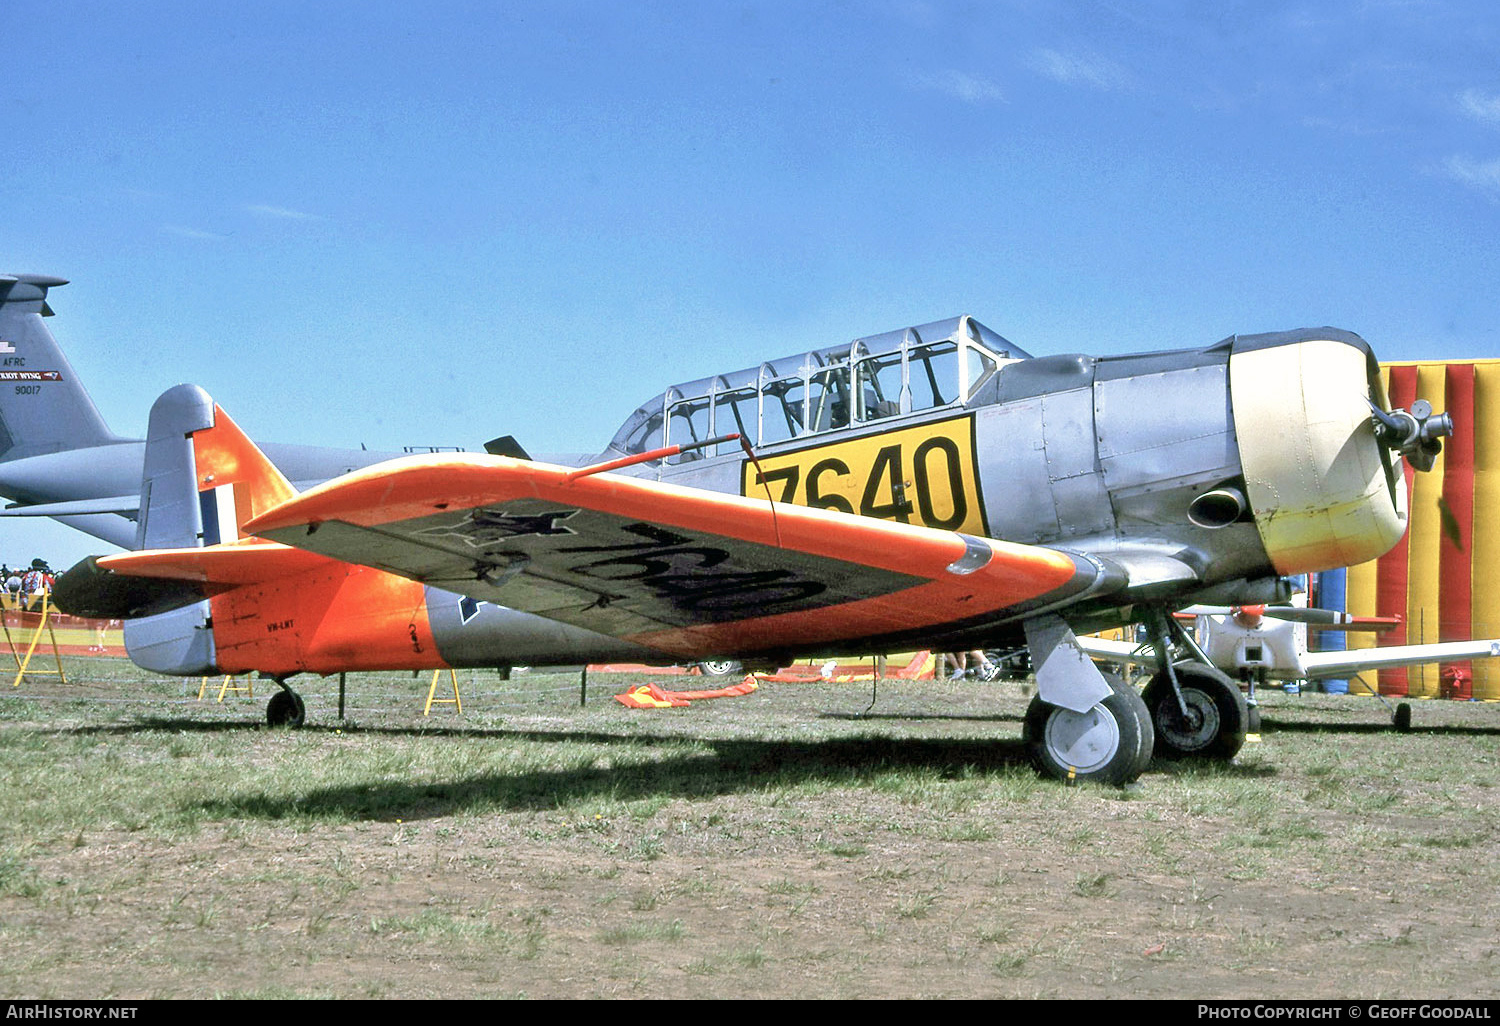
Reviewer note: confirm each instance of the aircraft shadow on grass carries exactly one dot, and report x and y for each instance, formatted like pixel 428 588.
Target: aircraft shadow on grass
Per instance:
pixel 734 767
pixel 1274 726
pixel 902 717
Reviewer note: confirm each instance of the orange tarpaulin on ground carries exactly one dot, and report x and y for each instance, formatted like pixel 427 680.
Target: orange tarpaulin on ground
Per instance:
pixel 651 696
pixel 920 668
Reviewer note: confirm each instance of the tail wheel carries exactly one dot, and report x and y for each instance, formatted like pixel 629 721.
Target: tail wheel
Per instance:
pixel 285 709
pixel 1110 743
pixel 1217 716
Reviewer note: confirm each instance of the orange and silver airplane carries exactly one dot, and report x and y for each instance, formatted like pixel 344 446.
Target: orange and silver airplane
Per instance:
pixel 930 487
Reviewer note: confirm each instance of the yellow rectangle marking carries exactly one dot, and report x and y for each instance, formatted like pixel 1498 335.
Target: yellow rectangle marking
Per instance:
pixel 927 474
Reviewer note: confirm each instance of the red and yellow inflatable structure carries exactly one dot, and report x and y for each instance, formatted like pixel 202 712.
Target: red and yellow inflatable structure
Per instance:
pixel 1440 577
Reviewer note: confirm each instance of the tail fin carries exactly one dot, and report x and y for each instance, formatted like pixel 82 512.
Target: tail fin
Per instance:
pixel 203 477
pixel 202 480
pixel 43 406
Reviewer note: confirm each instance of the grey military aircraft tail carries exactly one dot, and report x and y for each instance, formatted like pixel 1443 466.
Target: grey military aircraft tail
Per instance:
pixel 51 433
pixel 44 408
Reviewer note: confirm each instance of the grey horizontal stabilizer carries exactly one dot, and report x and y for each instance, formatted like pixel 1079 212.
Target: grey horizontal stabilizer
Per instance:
pixel 125 505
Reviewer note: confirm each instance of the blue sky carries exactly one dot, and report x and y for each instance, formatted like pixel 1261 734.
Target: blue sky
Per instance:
pixel 394 224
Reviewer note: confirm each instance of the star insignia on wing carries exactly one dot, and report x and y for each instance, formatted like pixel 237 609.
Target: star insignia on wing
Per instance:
pixel 486 528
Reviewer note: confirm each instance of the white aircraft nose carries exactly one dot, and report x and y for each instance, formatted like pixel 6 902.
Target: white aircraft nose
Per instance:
pixel 1313 468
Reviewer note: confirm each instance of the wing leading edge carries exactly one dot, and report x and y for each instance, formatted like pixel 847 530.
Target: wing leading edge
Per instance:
pixel 678 569
pixel 1320 665
pixel 1316 665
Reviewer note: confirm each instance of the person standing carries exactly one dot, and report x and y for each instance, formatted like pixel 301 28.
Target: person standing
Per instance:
pixel 36 583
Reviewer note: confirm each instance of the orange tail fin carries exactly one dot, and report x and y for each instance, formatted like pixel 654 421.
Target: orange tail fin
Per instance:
pixel 236 481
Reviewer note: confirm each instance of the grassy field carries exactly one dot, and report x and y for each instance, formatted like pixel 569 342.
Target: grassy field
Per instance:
pixel 803 841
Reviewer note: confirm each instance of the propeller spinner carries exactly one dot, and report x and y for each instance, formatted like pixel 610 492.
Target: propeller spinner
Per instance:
pixel 1416 433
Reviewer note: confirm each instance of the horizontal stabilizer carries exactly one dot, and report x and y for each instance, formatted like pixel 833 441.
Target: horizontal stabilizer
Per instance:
pixel 87 590
pixel 124 505
pixel 225 566
pixel 136 584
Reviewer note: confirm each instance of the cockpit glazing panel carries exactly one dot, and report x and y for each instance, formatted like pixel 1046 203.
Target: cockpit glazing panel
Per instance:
pixel 881 376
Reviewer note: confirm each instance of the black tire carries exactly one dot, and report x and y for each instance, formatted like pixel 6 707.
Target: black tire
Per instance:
pixel 1218 716
pixel 1109 744
pixel 1402 718
pixel 720 667
pixel 1145 730
pixel 285 709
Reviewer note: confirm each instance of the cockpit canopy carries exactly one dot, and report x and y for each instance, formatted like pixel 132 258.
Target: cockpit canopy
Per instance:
pixel 897 372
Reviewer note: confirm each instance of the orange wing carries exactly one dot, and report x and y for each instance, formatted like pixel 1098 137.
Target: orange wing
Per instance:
pixel 678 569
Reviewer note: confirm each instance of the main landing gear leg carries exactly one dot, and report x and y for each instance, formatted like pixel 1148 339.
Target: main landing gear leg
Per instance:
pixel 286 708
pixel 1082 724
pixel 1197 710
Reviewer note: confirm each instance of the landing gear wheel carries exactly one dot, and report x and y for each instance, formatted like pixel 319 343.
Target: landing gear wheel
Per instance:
pixel 720 667
pixel 1144 730
pixel 285 709
pixel 1217 717
pixel 1402 718
pixel 1110 743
